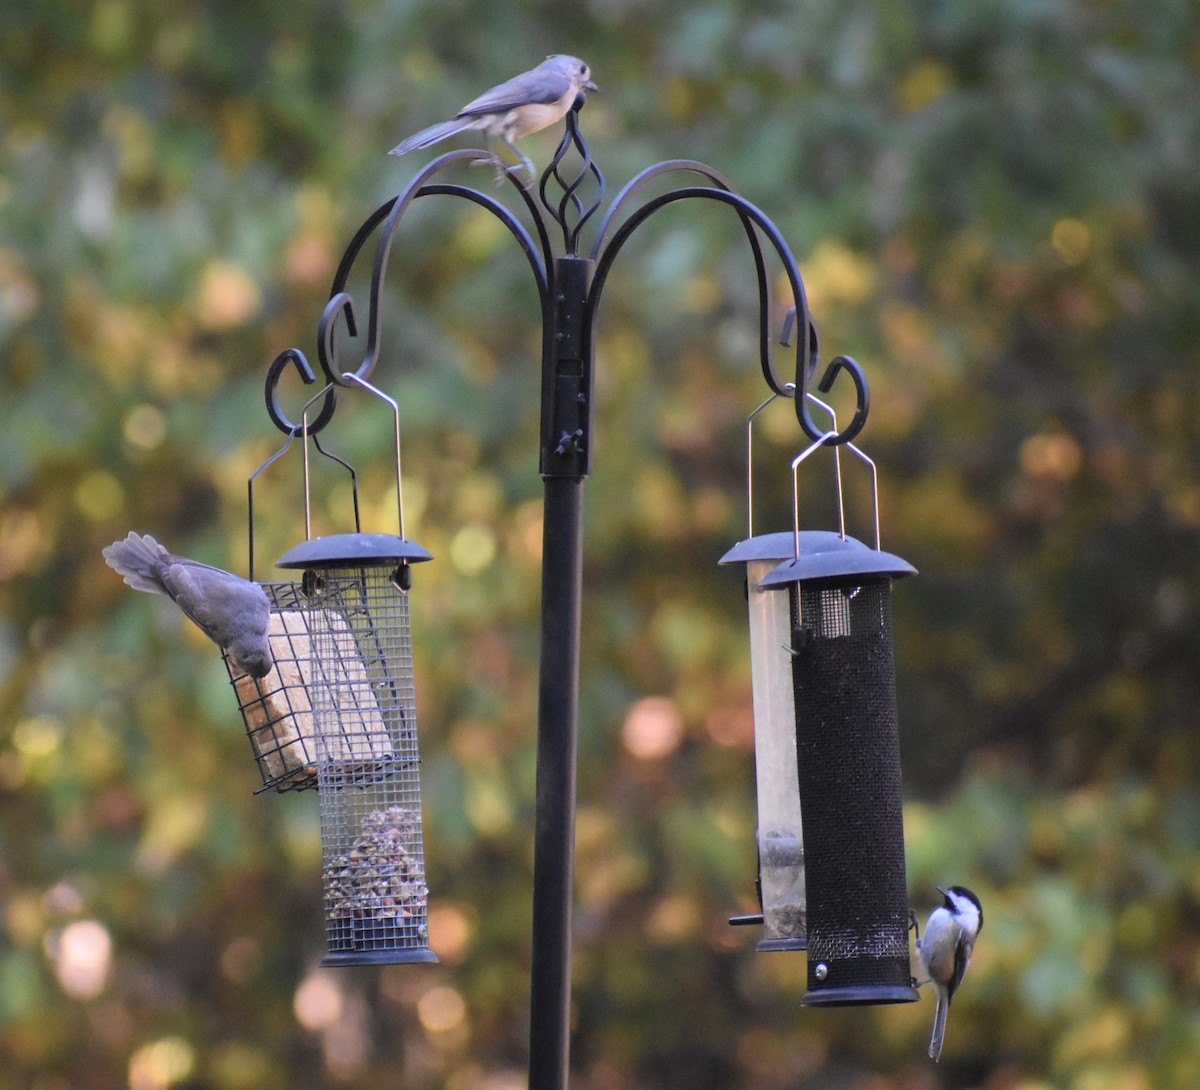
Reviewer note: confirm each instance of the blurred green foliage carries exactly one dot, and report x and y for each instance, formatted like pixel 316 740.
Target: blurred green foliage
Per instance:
pixel 995 206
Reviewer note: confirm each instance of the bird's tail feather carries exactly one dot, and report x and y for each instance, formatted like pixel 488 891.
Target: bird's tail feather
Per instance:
pixel 135 559
pixel 433 134
pixel 939 1028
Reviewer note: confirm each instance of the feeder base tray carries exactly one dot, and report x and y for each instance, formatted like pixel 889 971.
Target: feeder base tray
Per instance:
pixel 859 995
pixel 374 942
pixel 796 942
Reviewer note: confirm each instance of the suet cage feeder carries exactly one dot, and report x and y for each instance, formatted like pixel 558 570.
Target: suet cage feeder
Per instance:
pixel 337 712
pixel 277 709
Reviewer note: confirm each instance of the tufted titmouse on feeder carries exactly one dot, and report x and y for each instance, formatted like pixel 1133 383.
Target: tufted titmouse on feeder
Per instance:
pixel 233 612
pixel 524 104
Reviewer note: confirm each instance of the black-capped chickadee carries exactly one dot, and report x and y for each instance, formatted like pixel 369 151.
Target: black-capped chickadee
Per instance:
pixel 945 951
pixel 233 612
pixel 524 104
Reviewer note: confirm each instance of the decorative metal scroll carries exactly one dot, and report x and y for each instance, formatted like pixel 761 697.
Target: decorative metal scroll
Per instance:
pixel 569 194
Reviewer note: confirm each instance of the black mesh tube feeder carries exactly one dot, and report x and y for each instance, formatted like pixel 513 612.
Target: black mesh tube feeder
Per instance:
pixel 842 674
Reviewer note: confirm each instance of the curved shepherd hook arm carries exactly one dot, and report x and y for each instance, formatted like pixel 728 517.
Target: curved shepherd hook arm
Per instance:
pixel 389 215
pixel 752 217
pixel 760 268
pixel 341 303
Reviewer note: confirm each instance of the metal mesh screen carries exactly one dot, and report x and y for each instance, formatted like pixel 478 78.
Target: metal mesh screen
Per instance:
pixel 368 769
pixel 848 755
pixel 277 709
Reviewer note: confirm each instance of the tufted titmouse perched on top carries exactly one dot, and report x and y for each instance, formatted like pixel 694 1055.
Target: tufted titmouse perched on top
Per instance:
pixel 233 612
pixel 524 104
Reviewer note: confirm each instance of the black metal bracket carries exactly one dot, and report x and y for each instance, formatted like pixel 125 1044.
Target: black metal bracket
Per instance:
pixel 567 375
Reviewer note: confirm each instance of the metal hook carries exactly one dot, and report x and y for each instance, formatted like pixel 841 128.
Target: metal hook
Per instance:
pixel 340 304
pixel 862 392
pixel 308 377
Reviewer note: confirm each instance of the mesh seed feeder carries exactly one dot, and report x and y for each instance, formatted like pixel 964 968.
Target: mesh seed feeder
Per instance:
pixel 366 752
pixel 339 713
pixel 841 671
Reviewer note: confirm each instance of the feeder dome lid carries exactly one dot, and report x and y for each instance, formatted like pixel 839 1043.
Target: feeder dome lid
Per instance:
pixel 779 546
pixel 827 555
pixel 353 550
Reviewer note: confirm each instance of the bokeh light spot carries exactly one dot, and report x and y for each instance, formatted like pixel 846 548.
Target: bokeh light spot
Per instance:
pixel 441 1009
pixel 653 728
pixel 82 955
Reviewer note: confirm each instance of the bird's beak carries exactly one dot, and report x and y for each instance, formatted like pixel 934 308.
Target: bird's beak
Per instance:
pixel 942 892
pixel 590 86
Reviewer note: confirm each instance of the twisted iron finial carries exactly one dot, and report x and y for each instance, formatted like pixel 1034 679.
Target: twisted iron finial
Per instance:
pixel 571 205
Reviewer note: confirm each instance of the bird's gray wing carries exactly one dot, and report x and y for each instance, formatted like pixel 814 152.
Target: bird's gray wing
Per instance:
pixel 962 955
pixel 224 605
pixel 545 83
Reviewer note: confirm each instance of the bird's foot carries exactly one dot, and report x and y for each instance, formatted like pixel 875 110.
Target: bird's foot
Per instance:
pixel 502 170
pixel 515 173
pixel 499 167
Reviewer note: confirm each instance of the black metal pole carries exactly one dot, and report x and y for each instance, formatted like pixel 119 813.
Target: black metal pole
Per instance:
pixel 554 831
pixel 565 461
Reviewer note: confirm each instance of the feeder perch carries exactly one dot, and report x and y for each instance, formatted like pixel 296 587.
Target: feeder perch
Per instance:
pixel 360 683
pixel 780 835
pixel 838 595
